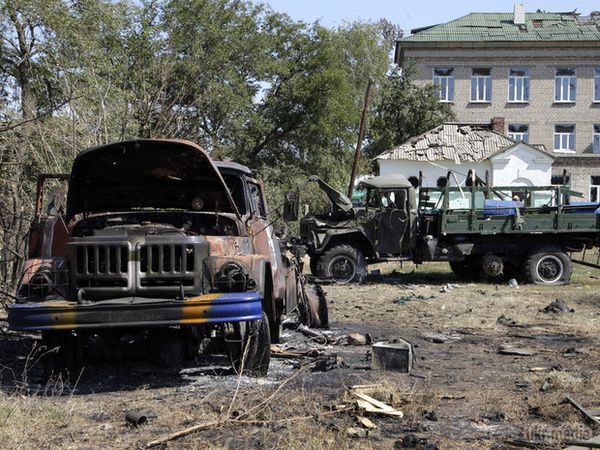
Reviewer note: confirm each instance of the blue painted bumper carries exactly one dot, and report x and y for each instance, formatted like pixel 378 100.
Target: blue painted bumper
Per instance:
pixel 135 312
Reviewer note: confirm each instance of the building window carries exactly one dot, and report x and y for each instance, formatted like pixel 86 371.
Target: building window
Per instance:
pixel 561 180
pixel 597 84
pixel 596 141
pixel 443 79
pixel 481 85
pixel 594 188
pixel 518 85
pixel 564 85
pixel 564 138
pixel 518 132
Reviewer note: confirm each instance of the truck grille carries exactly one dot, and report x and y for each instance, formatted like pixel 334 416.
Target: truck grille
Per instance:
pixel 167 265
pixel 102 259
pixel 166 258
pixel 153 266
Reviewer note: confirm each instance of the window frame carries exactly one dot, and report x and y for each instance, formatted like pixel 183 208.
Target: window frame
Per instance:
pixel 487 93
pixel 513 134
pixel 596 139
pixel 596 85
pixel 525 86
pixel 566 78
pixel 561 135
pixel 594 187
pixel 440 87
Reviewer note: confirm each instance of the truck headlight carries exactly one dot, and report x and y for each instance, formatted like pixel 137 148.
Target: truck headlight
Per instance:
pixel 233 277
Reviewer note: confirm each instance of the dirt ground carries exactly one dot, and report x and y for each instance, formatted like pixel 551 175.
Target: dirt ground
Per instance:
pixel 461 394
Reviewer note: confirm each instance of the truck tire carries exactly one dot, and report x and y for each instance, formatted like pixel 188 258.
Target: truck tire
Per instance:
pixel 344 264
pixel 256 341
pixel 465 270
pixel 548 266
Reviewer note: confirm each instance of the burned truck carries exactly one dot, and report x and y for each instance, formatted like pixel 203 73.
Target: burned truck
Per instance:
pixel 161 246
pixel 519 232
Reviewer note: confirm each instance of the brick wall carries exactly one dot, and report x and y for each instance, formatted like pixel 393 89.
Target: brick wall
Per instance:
pixel 541 113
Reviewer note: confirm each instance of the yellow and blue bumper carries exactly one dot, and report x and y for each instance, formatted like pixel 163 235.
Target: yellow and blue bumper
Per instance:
pixel 135 312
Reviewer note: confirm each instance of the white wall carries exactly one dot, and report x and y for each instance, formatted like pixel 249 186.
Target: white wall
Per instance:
pixel 432 172
pixel 521 165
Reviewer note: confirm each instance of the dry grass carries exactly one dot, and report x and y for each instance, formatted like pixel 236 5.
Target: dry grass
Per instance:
pixel 478 397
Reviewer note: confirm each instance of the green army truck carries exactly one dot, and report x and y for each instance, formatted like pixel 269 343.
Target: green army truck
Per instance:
pixel 521 232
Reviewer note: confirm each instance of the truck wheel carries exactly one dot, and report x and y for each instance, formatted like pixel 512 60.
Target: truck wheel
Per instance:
pixel 465 270
pixel 256 341
pixel 61 356
pixel 344 264
pixel 548 266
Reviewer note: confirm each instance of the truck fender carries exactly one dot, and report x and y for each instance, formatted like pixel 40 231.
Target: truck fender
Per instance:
pixel 354 237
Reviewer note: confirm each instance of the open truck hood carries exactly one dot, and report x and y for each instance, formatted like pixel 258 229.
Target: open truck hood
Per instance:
pixel 146 173
pixel 339 200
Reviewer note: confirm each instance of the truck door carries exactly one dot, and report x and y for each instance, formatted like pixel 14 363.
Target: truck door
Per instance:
pixel 390 221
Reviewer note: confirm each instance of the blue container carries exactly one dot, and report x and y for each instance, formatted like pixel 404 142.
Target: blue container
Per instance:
pixel 583 207
pixel 501 207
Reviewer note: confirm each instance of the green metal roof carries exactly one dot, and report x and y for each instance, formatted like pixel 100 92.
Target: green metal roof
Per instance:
pixel 499 27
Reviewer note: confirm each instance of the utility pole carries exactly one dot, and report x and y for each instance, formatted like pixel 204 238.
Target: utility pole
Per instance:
pixel 361 137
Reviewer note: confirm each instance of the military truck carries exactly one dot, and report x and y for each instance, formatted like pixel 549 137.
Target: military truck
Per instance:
pixel 161 247
pixel 521 232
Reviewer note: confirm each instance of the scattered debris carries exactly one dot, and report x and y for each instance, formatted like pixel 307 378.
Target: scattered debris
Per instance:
pixel 366 422
pixel 371 405
pixel 572 351
pixel 440 338
pixel 355 432
pixel 508 349
pixel 359 339
pixel 419 375
pixel 576 444
pixel 545 385
pixel 325 363
pixel 513 283
pixel 282 354
pixel 509 322
pixel 136 418
pixel 410 297
pixel 414 442
pixel 557 307
pixel 590 418
pixel 449 287
pixel 396 356
pixel 430 415
pixel 315 335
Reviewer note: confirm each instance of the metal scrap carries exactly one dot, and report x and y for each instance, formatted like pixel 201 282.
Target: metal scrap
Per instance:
pixel 590 418
pixel 557 307
pixel 508 349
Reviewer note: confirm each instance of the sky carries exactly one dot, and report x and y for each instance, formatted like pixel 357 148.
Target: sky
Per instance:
pixel 412 14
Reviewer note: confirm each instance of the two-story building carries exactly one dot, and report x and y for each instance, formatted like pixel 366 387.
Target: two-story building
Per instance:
pixel 539 71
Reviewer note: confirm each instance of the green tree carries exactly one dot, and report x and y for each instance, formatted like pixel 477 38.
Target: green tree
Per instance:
pixel 404 110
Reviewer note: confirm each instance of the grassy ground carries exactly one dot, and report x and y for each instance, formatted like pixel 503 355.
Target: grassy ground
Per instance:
pixel 461 393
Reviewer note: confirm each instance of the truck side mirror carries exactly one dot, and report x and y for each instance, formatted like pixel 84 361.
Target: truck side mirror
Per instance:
pixel 291 206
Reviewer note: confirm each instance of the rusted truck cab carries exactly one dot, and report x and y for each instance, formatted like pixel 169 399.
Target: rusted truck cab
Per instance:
pixel 161 243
